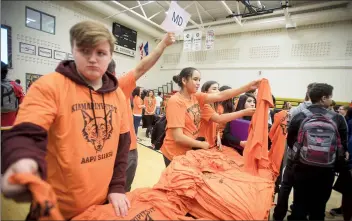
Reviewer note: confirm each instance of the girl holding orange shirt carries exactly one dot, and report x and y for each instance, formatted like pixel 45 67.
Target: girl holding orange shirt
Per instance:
pixel 150 107
pixel 183 113
pixel 137 108
pixel 210 117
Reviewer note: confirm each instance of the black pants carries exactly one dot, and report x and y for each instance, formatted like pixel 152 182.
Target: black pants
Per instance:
pixel 167 161
pixel 284 192
pixel 313 186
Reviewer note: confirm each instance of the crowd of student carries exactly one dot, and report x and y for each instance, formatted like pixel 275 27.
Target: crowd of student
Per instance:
pixel 77 129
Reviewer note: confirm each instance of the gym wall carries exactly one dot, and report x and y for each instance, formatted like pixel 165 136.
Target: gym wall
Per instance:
pixel 67 14
pixel 290 59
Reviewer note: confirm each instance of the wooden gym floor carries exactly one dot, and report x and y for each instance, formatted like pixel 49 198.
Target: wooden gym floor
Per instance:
pixel 150 167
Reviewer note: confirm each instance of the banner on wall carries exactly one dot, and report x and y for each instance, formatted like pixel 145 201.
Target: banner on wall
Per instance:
pixel 197 41
pixel 30 78
pixel 209 40
pixel 187 41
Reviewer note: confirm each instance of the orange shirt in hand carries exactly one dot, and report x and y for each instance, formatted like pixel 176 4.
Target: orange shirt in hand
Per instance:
pixel 150 105
pixel 137 101
pixel 277 135
pixel 182 113
pixel 256 151
pixel 127 83
pixel 44 205
pixel 207 127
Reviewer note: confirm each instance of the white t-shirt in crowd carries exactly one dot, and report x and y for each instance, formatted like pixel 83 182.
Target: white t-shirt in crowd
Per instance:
pixel 158 101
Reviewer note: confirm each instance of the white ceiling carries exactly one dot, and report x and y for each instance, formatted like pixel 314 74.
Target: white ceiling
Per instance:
pixel 209 10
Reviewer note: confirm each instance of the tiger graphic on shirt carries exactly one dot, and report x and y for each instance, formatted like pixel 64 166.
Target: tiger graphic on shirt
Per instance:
pixel 94 130
pixel 194 112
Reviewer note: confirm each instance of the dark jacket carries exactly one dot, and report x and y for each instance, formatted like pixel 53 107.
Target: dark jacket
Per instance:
pixel 299 117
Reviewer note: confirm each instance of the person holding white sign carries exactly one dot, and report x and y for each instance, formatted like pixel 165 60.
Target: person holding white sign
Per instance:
pixel 183 113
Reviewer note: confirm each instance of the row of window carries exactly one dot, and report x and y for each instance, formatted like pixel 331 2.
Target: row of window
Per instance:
pixel 40 20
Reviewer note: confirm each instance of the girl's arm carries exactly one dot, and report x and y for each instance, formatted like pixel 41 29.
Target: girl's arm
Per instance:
pixel 224 118
pixel 182 139
pixel 230 93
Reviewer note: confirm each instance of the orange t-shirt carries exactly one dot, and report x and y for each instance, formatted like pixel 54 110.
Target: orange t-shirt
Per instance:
pixel 256 151
pixel 150 105
pixel 207 127
pixel 277 135
pixel 127 83
pixel 44 205
pixel 137 100
pixel 182 113
pixel 80 162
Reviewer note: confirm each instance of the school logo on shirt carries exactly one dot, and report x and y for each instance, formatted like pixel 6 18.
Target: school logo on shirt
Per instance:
pixel 283 124
pixel 194 112
pixel 144 215
pixel 97 131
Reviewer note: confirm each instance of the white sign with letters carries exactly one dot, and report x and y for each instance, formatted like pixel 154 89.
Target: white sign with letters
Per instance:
pixel 197 41
pixel 187 41
pixel 176 19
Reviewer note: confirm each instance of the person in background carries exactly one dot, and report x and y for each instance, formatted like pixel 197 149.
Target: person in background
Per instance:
pixel 333 104
pixel 313 184
pixel 183 113
pixel 11 97
pixel 138 106
pixel 245 101
pixel 127 83
pixel 72 130
pixel 286 184
pixel 150 106
pixel 158 103
pixel 18 81
pixel 343 183
pixel 212 115
pixel 343 111
pixel 287 105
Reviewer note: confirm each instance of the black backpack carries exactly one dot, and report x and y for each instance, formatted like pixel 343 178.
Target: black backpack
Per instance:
pixel 159 132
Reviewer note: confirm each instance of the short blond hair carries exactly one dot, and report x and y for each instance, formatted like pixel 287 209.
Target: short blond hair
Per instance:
pixel 89 34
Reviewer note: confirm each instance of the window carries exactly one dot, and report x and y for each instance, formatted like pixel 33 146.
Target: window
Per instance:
pixel 40 20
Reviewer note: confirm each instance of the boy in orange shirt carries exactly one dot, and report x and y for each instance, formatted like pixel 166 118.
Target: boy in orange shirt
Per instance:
pixel 68 126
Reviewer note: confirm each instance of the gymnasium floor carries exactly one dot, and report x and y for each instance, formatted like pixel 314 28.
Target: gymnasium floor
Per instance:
pixel 150 167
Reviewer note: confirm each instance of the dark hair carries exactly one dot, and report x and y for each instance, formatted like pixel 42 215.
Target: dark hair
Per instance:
pixel 112 66
pixel 159 93
pixel 333 103
pixel 151 91
pixel 309 87
pixel 18 81
pixel 207 85
pixel 320 90
pixel 274 100
pixel 241 103
pixel 185 73
pixel 136 91
pixel 349 114
pixel 4 70
pixel 227 104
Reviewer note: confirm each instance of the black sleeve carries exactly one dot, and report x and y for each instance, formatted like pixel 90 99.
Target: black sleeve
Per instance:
pixel 292 130
pixel 118 180
pixel 343 131
pixel 228 138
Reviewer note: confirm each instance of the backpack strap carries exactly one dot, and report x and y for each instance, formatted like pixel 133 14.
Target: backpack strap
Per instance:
pixel 306 112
